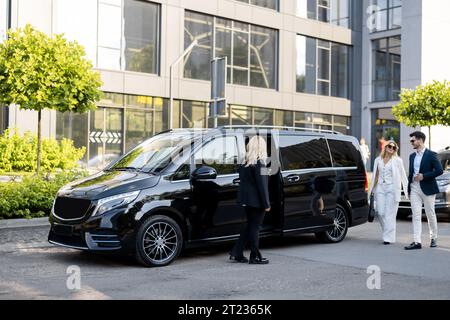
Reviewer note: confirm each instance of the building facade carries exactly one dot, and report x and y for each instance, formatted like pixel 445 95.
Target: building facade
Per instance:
pixel 402 48
pixel 300 63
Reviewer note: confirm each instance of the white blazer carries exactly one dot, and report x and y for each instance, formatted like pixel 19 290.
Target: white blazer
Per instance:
pixel 399 177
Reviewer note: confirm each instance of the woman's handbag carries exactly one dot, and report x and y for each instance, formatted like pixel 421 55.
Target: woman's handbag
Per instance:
pixel 372 212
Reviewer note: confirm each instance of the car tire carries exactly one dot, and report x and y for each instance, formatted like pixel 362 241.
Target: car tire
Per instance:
pixel 159 241
pixel 338 231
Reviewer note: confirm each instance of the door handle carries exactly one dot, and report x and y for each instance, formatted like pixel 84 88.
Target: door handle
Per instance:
pixel 237 181
pixel 293 178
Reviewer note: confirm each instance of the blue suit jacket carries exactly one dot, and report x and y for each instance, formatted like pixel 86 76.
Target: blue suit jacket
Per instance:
pixel 431 168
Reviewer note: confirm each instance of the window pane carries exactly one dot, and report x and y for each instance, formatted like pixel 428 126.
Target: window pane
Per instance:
pixel 344 154
pixel 68 14
pixel 240 76
pixel 108 58
pixel 263 55
pixel 284 118
pixel 141 102
pixel 221 120
pixel 220 154
pixel 323 88
pixel 396 76
pixel 193 114
pixel 339 70
pixel 105 139
pixel 139 124
pixel 263 117
pixel 382 4
pixel 109 36
pixel 340 13
pixel 395 18
pixel 323 14
pixel 197 63
pixel 306 64
pixel 387 69
pixel 240 49
pixel 161 114
pixel 73 126
pixel 241 115
pixel 323 67
pixel 141 36
pixel 271 4
pixel 223 43
pixel 307 9
pixel 299 152
pixel 109 26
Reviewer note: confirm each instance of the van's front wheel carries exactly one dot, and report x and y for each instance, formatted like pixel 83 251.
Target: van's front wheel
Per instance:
pixel 158 241
pixel 338 231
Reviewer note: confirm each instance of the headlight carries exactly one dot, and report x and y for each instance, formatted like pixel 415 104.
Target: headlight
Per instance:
pixel 109 203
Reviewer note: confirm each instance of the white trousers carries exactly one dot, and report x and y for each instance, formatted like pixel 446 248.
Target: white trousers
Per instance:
pixel 418 198
pixel 387 209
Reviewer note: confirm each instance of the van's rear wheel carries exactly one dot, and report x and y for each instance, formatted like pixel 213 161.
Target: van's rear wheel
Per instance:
pixel 158 241
pixel 338 231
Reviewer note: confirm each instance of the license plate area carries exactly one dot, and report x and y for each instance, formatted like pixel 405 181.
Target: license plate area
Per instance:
pixel 63 230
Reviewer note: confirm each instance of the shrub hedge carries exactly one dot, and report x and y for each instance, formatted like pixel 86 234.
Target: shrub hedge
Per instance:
pixel 33 197
pixel 19 153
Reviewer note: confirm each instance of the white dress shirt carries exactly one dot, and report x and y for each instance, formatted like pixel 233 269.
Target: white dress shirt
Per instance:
pixel 418 161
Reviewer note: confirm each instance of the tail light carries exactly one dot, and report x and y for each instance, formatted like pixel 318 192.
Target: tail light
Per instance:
pixel 366 183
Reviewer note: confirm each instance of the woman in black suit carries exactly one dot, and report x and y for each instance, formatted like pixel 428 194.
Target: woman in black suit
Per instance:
pixel 253 194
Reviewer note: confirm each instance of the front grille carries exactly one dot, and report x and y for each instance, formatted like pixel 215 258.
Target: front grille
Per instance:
pixel 71 208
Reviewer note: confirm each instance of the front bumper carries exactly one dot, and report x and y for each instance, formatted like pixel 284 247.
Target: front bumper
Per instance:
pixel 104 234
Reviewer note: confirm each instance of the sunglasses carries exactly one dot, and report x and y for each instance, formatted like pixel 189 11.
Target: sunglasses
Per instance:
pixel 390 146
pixel 412 141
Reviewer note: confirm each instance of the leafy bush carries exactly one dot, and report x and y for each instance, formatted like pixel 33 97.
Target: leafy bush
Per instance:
pixel 19 153
pixel 33 197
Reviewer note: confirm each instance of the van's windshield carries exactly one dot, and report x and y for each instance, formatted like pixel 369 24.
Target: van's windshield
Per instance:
pixel 155 154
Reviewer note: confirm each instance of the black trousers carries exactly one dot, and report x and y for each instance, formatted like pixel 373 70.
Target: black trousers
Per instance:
pixel 250 233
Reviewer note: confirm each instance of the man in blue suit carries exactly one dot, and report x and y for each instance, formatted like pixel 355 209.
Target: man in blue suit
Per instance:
pixel 424 168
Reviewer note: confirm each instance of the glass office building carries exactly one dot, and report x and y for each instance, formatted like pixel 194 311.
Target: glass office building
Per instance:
pixel 278 73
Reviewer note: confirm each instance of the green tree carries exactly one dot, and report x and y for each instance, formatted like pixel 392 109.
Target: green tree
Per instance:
pixel 41 72
pixel 426 106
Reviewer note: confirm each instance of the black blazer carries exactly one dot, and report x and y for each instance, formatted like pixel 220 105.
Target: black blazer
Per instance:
pixel 431 168
pixel 254 187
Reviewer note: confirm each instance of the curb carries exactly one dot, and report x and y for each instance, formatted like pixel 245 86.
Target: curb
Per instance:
pixel 24 223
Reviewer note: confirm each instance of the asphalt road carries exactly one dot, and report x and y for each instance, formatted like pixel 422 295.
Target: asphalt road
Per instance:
pixel 300 268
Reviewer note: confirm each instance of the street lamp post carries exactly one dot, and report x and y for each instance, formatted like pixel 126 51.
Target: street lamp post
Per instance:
pixel 188 49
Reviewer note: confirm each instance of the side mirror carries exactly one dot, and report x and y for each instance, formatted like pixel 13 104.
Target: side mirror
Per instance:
pixel 204 173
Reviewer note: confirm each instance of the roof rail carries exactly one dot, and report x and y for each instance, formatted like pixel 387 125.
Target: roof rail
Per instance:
pixel 281 128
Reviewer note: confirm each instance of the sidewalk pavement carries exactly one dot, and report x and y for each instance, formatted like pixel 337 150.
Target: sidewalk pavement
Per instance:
pixel 24 223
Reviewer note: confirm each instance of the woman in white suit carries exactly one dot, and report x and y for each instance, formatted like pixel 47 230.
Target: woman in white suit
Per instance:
pixel 387 181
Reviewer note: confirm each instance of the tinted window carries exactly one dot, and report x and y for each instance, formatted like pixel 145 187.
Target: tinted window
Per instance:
pixel 220 154
pixel 155 154
pixel 299 152
pixel 344 154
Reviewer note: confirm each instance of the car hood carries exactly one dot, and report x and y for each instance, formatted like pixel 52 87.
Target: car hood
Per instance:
pixel 108 183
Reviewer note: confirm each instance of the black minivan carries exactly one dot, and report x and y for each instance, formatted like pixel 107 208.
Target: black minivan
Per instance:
pixel 179 189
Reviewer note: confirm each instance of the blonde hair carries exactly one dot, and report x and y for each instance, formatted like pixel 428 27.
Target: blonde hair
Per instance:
pixel 383 152
pixel 256 150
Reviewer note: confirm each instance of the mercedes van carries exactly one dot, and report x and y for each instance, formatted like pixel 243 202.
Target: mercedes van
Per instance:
pixel 179 188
